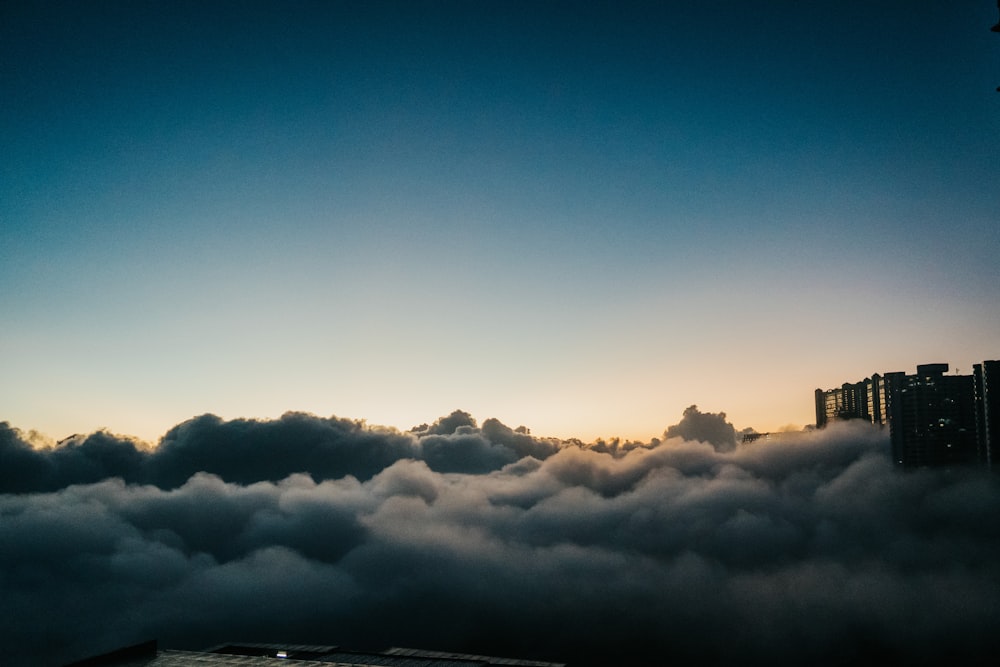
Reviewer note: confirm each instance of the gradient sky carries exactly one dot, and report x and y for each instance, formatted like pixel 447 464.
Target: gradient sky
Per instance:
pixel 580 217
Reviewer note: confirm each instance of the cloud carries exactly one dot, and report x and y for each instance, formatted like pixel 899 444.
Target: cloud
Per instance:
pixel 77 460
pixel 705 427
pixel 811 548
pixel 245 451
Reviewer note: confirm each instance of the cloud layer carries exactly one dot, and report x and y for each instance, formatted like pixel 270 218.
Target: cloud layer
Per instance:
pixel 246 451
pixel 809 548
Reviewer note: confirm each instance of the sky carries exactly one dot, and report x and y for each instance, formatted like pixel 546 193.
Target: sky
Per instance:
pixel 577 217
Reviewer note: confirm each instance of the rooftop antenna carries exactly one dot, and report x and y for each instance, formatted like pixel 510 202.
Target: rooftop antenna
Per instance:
pixel 996 28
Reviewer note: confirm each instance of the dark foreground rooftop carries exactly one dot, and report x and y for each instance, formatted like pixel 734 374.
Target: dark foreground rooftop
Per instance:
pixel 148 655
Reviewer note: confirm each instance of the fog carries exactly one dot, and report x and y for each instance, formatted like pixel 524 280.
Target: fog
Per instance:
pixel 689 549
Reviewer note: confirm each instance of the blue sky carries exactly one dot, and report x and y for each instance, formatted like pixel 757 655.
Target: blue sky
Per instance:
pixel 579 219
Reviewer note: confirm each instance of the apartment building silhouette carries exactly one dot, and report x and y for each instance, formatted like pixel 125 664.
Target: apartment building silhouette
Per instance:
pixel 934 419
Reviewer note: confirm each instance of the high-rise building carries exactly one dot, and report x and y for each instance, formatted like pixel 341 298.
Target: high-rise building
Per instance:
pixel 986 380
pixel 934 419
pixel 858 400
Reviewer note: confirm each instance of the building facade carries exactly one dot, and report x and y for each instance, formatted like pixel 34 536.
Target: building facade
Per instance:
pixel 986 384
pixel 934 419
pixel 858 400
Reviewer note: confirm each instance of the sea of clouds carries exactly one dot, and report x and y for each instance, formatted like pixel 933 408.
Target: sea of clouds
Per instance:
pixel 690 549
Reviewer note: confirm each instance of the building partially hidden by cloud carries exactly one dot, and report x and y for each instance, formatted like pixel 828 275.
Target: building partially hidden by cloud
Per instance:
pixel 934 419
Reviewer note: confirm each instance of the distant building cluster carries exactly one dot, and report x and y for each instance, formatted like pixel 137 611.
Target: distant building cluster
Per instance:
pixel 934 419
pixel 767 437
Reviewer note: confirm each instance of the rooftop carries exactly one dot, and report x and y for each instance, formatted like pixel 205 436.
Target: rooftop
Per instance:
pixel 148 654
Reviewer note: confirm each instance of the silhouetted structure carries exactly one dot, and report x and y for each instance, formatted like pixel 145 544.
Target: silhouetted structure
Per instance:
pixel 996 28
pixel 767 437
pixel 934 419
pixel 859 400
pixel 147 655
pixel 986 383
pixel 127 656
